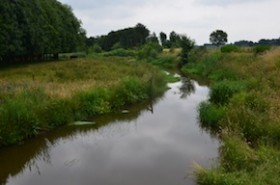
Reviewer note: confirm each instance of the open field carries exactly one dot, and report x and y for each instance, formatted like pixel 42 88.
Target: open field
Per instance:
pixel 38 97
pixel 244 111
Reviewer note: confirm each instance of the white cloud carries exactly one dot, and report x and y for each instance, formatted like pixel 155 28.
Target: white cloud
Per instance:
pixel 241 19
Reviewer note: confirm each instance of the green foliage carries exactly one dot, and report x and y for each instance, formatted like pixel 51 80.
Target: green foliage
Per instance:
pixel 127 38
pixel 130 91
pixel 218 37
pixel 17 122
pixel 166 62
pixel 221 92
pixel 121 53
pixel 39 97
pixel 153 39
pixel 229 48
pixel 163 39
pixel 245 108
pixel 252 166
pixel 210 114
pixel 205 65
pixel 149 52
pixel 174 40
pixel 171 78
pixel 95 49
pixel 91 102
pixel 261 49
pixel 56 112
pixel 187 45
pixel 36 27
pixel 237 155
pixel 197 53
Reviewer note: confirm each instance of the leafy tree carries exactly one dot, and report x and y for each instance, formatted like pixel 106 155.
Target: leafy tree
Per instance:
pixel 142 33
pixel 187 45
pixel 125 38
pixel 91 41
pixel 174 39
pixel 218 37
pixel 153 38
pixel 30 29
pixel 149 51
pixel 163 38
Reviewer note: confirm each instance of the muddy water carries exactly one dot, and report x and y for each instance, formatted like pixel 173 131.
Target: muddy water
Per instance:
pixel 152 144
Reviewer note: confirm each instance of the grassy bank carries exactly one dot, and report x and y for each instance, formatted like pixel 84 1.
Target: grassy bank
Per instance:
pixel 39 97
pixel 243 110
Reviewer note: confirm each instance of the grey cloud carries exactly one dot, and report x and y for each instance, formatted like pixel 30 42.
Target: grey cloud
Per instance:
pixel 97 4
pixel 226 2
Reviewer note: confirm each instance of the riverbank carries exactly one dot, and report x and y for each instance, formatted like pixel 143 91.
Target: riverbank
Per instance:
pixel 244 111
pixel 39 97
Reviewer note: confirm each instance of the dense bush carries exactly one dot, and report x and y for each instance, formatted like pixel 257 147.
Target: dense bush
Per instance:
pixel 149 52
pixel 167 62
pixel 261 49
pixel 210 114
pixel 229 48
pixel 120 52
pixel 221 92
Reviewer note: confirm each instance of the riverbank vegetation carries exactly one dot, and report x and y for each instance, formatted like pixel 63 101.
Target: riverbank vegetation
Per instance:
pixel 243 110
pixel 39 97
pixel 109 71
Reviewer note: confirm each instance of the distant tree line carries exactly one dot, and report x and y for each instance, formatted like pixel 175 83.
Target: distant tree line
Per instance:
pixel 266 42
pixel 132 38
pixel 31 29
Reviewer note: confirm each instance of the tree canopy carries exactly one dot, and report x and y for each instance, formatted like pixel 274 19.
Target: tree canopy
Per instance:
pixel 36 27
pixel 218 37
pixel 265 42
pixel 125 38
pixel 187 45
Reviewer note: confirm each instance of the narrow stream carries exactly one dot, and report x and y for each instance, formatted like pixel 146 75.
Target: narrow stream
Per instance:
pixel 151 144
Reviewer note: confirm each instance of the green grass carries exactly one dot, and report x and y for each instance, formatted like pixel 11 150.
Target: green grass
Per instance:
pixel 245 107
pixel 222 91
pixel 210 115
pixel 47 95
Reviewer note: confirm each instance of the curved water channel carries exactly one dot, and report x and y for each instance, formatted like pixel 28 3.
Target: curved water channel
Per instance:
pixel 151 144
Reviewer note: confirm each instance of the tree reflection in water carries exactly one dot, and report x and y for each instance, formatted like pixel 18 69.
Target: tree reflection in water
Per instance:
pixel 187 87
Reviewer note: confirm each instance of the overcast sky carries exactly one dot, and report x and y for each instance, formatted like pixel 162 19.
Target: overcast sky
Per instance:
pixel 241 19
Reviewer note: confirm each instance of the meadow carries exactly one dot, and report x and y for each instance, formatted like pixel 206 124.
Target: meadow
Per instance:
pixel 38 97
pixel 243 110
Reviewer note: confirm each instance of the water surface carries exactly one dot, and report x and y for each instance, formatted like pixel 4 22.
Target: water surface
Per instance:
pixel 154 143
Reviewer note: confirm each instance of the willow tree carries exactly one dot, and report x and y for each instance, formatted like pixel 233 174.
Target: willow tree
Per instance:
pixel 30 29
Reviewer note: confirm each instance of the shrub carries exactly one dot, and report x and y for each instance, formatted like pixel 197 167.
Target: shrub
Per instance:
pixel 223 74
pixel 237 155
pixel 167 62
pixel 247 114
pixel 120 53
pixel 149 52
pixel 210 114
pixel 261 49
pixel 95 48
pixel 197 53
pixel 229 48
pixel 91 102
pixel 221 92
pixel 17 120
pixel 57 112
pixel 131 90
